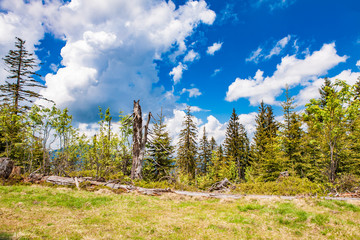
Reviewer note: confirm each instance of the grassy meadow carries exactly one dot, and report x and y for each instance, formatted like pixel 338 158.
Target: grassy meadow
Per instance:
pixel 40 212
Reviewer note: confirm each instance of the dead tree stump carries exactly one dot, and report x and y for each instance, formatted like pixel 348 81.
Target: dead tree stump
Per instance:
pixel 139 141
pixel 6 167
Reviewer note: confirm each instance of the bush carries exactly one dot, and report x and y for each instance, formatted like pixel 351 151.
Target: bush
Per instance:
pixel 289 186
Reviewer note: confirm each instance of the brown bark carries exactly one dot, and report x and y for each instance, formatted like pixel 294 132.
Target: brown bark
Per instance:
pixel 139 141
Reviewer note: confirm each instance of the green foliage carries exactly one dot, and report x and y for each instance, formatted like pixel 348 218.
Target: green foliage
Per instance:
pixel 289 186
pixel 266 155
pixel 329 120
pixel 291 135
pixel 20 66
pixel 204 154
pixel 160 161
pixel 187 150
pixel 237 146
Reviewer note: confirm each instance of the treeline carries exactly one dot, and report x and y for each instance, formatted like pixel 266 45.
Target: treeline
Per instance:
pixel 320 144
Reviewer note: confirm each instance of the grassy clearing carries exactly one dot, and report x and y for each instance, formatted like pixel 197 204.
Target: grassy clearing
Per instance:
pixel 38 212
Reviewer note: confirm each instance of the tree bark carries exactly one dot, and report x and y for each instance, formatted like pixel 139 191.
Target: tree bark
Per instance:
pixel 139 141
pixel 6 167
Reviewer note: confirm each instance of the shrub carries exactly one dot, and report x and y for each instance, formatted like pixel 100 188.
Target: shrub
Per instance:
pixel 287 186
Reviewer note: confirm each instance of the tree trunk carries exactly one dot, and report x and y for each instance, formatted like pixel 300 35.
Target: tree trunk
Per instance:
pixel 6 167
pixel 139 141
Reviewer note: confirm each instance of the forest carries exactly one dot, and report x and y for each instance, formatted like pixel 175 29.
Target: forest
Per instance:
pixel 317 149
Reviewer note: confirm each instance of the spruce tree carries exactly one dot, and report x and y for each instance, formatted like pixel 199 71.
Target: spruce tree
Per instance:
pixel 237 144
pixel 204 153
pixel 291 137
pixel 265 150
pixel 160 150
pixel 213 145
pixel 20 86
pixel 187 149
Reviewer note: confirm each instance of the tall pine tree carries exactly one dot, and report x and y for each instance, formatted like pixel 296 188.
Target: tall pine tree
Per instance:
pixel 266 159
pixel 160 150
pixel 187 150
pixel 236 145
pixel 291 137
pixel 204 153
pixel 20 86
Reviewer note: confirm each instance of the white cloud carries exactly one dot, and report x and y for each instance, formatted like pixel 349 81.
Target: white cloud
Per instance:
pixel 23 21
pixel 255 56
pixel 248 120
pixel 214 48
pixel 108 58
pixel 216 71
pixel 259 54
pixel 275 4
pixel 177 72
pixel 191 56
pixel 193 92
pixel 214 129
pixel 291 71
pixel 358 63
pixel 280 45
pixel 54 67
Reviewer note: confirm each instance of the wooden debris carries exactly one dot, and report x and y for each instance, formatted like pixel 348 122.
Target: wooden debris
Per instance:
pixel 222 185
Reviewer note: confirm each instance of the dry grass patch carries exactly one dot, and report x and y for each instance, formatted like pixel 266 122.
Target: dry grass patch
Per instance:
pixel 34 212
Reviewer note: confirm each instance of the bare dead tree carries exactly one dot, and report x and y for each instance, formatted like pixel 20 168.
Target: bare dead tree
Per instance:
pixel 139 141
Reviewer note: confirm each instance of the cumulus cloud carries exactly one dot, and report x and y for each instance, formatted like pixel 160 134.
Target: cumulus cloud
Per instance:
pixel 193 92
pixel 358 63
pixel 191 56
pixel 108 58
pixel 214 48
pixel 177 72
pixel 214 129
pixel 280 45
pixel 23 21
pixel 291 71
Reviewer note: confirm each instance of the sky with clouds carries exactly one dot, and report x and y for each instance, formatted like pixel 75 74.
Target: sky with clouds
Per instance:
pixel 209 54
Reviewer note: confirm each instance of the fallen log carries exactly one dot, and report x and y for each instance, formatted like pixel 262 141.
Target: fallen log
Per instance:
pixel 156 192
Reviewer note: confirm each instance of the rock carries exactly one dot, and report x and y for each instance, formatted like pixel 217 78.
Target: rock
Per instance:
pixel 6 167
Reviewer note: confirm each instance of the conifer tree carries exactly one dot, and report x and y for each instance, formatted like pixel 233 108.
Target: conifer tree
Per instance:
pixel 204 153
pixel 237 144
pixel 265 151
pixel 291 137
pixel 187 149
pixel 160 150
pixel 213 145
pixel 21 66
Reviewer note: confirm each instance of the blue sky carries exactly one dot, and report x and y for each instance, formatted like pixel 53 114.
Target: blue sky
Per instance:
pixel 213 55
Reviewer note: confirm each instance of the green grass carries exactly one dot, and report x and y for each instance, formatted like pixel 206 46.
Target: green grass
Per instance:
pixel 38 212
